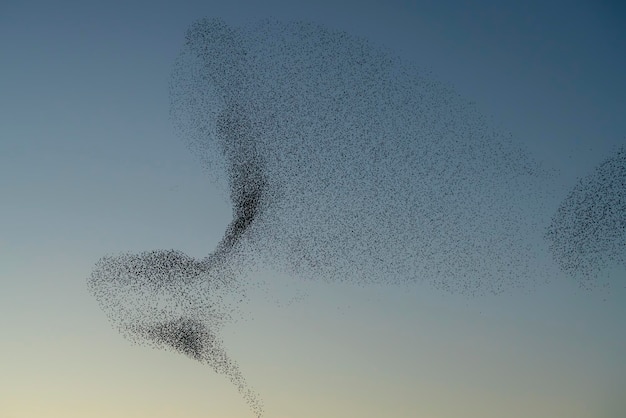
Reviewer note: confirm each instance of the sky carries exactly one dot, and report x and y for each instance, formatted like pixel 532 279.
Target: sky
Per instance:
pixel 90 165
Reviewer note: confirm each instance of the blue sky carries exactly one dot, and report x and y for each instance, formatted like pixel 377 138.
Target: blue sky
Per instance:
pixel 90 165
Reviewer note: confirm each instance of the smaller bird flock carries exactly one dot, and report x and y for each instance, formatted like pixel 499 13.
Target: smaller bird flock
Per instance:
pixel 342 163
pixel 587 234
pixel 167 300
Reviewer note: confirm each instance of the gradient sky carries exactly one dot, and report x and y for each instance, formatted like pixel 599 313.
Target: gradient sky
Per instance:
pixel 90 165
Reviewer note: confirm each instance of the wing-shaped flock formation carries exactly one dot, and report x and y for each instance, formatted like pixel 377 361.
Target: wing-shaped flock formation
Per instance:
pixel 344 163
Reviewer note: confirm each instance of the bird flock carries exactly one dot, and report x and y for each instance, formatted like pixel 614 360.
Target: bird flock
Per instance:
pixel 587 235
pixel 344 163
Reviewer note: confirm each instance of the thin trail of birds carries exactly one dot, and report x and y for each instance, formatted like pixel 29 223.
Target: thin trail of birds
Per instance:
pixel 344 163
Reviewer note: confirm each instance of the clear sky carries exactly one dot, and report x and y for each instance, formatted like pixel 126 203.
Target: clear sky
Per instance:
pixel 90 165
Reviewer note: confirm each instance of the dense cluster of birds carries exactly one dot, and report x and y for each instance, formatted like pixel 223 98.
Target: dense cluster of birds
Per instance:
pixel 342 163
pixel 587 234
pixel 166 299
